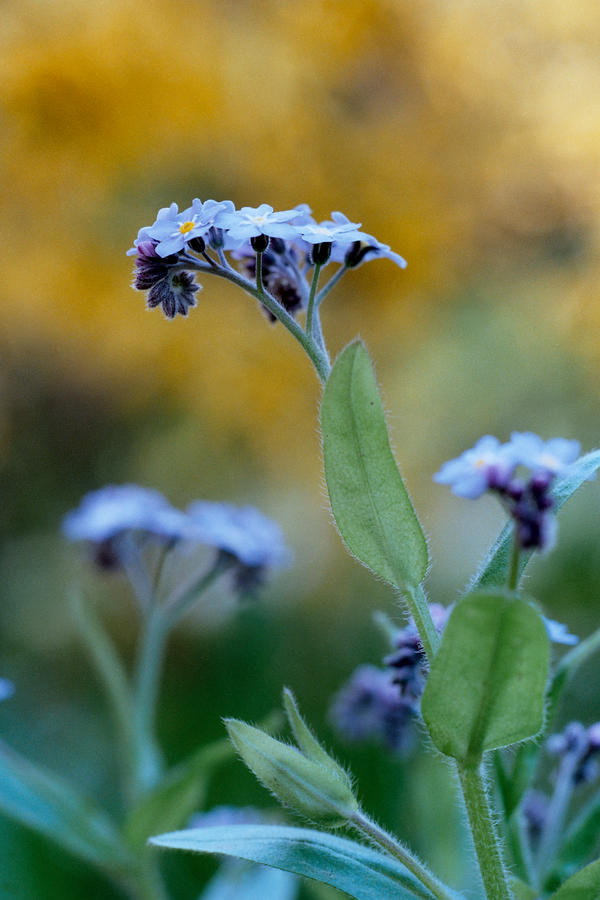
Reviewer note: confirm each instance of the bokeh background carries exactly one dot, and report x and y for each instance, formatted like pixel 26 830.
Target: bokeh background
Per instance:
pixel 465 135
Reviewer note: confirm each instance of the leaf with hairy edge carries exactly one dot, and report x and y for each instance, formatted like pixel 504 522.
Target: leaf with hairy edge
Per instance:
pixel 584 885
pixel 369 502
pixel 351 867
pixel 495 567
pixel 44 802
pixel 487 682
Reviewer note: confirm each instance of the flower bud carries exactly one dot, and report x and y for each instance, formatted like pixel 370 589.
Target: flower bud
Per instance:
pixel 308 780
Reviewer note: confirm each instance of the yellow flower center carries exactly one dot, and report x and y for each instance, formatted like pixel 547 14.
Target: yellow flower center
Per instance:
pixel 186 227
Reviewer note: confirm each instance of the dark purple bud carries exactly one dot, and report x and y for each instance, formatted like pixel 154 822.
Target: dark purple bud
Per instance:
pixel 174 293
pixel 260 243
pixel 356 254
pixel 515 489
pixel 321 253
pixel 197 244
pixel 540 482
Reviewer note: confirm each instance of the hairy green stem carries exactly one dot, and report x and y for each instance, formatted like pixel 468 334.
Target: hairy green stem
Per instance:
pixel 330 285
pixel 370 829
pixel 484 834
pixel 419 610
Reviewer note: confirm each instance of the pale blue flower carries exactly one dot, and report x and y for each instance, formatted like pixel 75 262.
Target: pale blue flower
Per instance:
pixel 474 471
pixel 250 221
pixel 551 457
pixel 339 230
pixel 244 532
pixel 173 229
pixel 112 510
pixel 559 633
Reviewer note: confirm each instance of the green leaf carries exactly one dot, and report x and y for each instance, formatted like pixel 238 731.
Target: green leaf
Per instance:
pixel 522 891
pixel 369 502
pixel 304 736
pixel 584 885
pixel 487 681
pixel 351 867
pixel 179 794
pixel 494 569
pixel 47 804
pixel 581 838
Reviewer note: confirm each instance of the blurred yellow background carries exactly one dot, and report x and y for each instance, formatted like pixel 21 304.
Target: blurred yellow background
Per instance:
pixel 465 134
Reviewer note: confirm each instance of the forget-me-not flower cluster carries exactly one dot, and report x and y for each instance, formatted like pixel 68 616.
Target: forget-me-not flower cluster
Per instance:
pixel 249 539
pixel 492 466
pixel 179 245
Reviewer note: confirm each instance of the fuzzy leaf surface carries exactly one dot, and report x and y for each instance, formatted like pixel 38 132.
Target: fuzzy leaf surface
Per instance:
pixel 361 872
pixel 369 501
pixel 49 805
pixel 487 682
pixel 584 885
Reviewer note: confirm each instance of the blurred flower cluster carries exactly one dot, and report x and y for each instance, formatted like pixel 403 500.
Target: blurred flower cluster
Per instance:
pixel 120 521
pixel 491 466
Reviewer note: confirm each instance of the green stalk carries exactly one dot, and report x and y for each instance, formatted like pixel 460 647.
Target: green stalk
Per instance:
pixel 147 680
pixel 114 681
pixel 419 610
pixel 310 310
pixel 484 834
pixel 373 831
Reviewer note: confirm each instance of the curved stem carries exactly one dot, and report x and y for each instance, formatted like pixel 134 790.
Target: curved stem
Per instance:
pixel 484 834
pixel 316 354
pixel 556 815
pixel 369 828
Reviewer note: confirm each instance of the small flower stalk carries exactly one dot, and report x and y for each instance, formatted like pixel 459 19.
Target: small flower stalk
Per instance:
pixel 304 778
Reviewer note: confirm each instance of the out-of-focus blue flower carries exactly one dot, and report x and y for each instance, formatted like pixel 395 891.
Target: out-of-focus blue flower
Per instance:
pixel 229 815
pixel 112 510
pixel 340 230
pixel 243 532
pixel 473 472
pixel 7 688
pixel 551 457
pixel 559 633
pixel 370 706
pixel 250 221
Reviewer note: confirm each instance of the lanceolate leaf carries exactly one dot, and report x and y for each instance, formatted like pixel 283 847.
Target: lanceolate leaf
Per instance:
pixel 351 867
pixel 487 681
pixel 495 567
pixel 47 804
pixel 370 504
pixel 585 885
